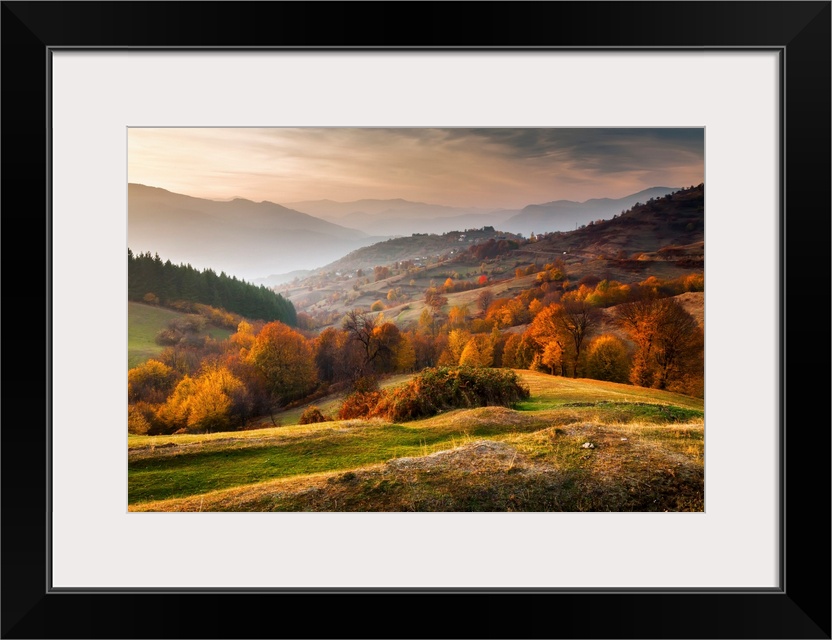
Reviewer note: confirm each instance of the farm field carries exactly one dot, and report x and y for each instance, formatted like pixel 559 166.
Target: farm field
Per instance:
pixel 574 445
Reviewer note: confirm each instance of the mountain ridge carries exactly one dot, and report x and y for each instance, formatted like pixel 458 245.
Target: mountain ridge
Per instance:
pixel 566 215
pixel 241 237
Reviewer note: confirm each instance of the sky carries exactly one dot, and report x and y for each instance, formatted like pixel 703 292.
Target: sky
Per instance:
pixel 485 168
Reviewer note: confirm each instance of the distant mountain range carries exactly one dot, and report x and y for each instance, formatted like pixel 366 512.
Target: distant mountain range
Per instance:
pixel 252 239
pixel 403 217
pixel 399 217
pixel 243 238
pixel 566 215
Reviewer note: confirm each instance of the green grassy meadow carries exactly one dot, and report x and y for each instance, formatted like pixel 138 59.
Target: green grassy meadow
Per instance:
pixel 144 321
pixel 575 445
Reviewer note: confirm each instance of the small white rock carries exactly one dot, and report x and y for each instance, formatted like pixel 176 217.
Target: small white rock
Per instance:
pixel 587 445
pixel 623 439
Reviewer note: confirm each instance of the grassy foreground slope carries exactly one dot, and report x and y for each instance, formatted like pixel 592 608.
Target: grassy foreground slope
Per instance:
pixel 575 445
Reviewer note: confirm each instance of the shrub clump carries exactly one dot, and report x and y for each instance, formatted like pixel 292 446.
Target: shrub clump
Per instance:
pixel 311 415
pixel 359 404
pixel 438 389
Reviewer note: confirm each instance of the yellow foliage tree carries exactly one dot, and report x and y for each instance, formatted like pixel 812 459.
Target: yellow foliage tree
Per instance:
pixel 244 338
pixel 518 352
pixel 211 404
pixel 512 313
pixel 150 381
pixel 607 359
pixel 458 316
pixel 427 322
pixel 479 351
pixel 174 412
pixel 471 356
pixel 457 340
pixel 204 403
pixel 553 356
pixel 405 355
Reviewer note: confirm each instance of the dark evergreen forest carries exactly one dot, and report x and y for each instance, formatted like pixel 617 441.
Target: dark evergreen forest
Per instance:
pixel 151 279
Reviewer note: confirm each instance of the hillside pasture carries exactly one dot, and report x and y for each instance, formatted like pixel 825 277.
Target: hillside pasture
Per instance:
pixel 575 445
pixel 144 321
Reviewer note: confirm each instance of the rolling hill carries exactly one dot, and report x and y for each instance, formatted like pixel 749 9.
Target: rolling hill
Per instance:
pixel 421 248
pixel 663 237
pixel 646 454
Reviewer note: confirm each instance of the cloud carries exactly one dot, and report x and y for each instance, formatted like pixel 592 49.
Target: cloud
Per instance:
pixel 499 167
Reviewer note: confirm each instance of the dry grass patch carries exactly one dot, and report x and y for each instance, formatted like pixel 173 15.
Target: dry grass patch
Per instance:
pixel 553 391
pixel 624 468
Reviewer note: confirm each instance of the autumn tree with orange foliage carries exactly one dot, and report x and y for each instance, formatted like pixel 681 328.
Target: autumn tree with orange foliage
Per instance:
pixel 546 330
pixel 638 320
pixel 669 343
pixel 377 341
pixel 554 357
pixel 285 360
pixel 567 324
pixel 509 314
pixel 578 319
pixel 679 345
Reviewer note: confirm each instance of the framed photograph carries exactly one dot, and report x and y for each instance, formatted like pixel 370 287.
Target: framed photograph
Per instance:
pixel 100 96
pixel 432 353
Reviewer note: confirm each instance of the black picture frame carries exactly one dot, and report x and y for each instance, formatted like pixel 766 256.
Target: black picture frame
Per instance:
pixel 799 608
